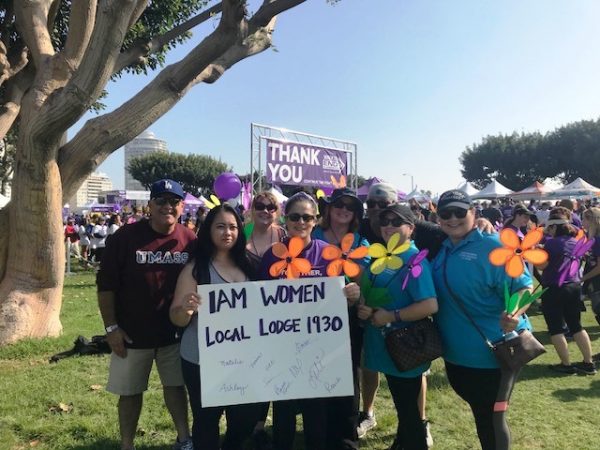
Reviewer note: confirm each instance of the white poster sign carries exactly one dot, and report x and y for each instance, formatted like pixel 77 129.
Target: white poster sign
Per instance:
pixel 274 340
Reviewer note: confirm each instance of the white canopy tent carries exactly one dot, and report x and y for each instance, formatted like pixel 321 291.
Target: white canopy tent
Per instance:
pixel 468 188
pixel 278 195
pixel 577 188
pixel 493 190
pixel 536 191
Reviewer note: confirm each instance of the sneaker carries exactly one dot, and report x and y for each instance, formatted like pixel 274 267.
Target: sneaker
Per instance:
pixel 585 368
pixel 428 437
pixel 570 369
pixel 365 423
pixel 185 445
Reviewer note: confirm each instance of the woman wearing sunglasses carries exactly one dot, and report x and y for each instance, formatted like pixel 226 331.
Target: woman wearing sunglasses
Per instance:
pixel 341 214
pixel 462 273
pixel 264 214
pixel 391 304
pixel 220 258
pixel 321 422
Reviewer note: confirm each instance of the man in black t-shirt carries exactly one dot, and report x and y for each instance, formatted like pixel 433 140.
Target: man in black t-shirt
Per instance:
pixel 136 283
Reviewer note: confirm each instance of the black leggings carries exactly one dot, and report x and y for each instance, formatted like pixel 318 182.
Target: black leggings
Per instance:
pixel 410 433
pixel 560 305
pixel 205 429
pixel 480 389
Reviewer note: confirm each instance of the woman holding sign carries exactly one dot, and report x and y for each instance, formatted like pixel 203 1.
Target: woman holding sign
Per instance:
pixel 396 296
pixel 220 258
pixel 321 431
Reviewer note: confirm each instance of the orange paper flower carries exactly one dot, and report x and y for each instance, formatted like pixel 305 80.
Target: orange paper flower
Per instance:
pixel 341 258
pixel 513 254
pixel 289 260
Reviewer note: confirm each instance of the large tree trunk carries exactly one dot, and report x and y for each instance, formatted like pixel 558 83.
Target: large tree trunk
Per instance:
pixel 31 289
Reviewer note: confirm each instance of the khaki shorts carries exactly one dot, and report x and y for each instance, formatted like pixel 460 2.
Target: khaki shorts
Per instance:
pixel 129 375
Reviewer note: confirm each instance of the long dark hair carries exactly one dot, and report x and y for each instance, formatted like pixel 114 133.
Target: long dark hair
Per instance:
pixel 206 248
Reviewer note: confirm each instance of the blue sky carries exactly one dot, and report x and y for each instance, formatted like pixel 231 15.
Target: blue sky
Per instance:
pixel 411 82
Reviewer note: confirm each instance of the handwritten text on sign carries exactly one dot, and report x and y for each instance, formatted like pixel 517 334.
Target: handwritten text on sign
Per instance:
pixel 274 340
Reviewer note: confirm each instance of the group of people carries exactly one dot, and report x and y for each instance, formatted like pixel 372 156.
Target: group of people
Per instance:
pixel 147 293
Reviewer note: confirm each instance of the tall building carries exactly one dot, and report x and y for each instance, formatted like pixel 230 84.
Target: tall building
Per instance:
pixel 90 189
pixel 142 145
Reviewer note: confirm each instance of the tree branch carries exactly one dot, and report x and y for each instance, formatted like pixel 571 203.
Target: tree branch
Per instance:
pixel 32 23
pixel 65 106
pixel 81 24
pixel 260 30
pixel 101 136
pixel 142 49
pixel 15 90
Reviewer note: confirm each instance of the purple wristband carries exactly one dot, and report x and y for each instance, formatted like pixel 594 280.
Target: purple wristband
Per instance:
pixel 397 315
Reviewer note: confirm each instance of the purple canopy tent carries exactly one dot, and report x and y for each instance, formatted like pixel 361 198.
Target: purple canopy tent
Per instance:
pixel 363 191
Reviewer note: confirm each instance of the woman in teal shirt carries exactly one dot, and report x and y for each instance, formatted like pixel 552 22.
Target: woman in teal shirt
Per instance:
pixel 388 305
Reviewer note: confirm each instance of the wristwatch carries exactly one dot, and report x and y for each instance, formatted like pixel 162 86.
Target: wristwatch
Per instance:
pixel 111 328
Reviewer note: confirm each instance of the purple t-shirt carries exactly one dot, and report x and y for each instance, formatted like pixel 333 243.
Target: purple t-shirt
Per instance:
pixel 559 250
pixel 312 252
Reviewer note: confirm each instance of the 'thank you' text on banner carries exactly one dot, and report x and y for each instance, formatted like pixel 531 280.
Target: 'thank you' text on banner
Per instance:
pixel 274 340
pixel 304 164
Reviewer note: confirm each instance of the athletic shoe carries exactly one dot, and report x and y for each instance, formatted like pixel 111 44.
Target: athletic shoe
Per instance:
pixel 428 436
pixel 585 368
pixel 570 369
pixel 185 445
pixel 366 422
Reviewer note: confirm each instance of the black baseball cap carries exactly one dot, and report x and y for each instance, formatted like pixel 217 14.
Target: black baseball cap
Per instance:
pixel 454 199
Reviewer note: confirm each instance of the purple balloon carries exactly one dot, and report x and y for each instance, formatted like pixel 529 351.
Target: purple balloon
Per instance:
pixel 227 186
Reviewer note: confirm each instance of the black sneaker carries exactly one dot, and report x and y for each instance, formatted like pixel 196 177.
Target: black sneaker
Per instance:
pixel 561 368
pixel 585 368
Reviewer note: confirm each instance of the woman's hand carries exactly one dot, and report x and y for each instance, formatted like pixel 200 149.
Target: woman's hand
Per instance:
pixel 484 225
pixel 382 317
pixel 364 312
pixel 508 322
pixel 190 303
pixel 352 293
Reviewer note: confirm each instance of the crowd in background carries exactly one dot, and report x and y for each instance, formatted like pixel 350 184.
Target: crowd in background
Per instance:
pixel 458 233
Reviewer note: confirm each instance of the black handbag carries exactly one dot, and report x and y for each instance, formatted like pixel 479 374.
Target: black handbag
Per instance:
pixel 411 346
pixel 512 352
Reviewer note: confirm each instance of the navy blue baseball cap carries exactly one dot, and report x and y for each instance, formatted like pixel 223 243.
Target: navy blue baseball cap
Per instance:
pixel 166 186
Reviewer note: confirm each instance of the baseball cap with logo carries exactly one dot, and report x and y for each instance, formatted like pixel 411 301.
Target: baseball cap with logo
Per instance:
pixel 454 199
pixel 166 186
pixel 383 191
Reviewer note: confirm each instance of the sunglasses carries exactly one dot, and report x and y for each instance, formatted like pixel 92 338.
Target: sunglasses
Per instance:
pixel 295 217
pixel 382 204
pixel 459 213
pixel 162 201
pixel 395 221
pixel 258 206
pixel 339 204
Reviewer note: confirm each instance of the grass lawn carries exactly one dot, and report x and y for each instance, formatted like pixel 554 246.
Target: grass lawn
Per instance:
pixel 64 405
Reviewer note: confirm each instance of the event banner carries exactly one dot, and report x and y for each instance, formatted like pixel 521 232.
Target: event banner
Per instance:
pixel 304 164
pixel 274 340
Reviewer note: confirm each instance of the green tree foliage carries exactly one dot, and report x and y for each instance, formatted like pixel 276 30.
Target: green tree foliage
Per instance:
pixel 195 173
pixel 519 159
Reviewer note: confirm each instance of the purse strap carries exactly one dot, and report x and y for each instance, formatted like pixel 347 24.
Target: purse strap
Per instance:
pixel 462 306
